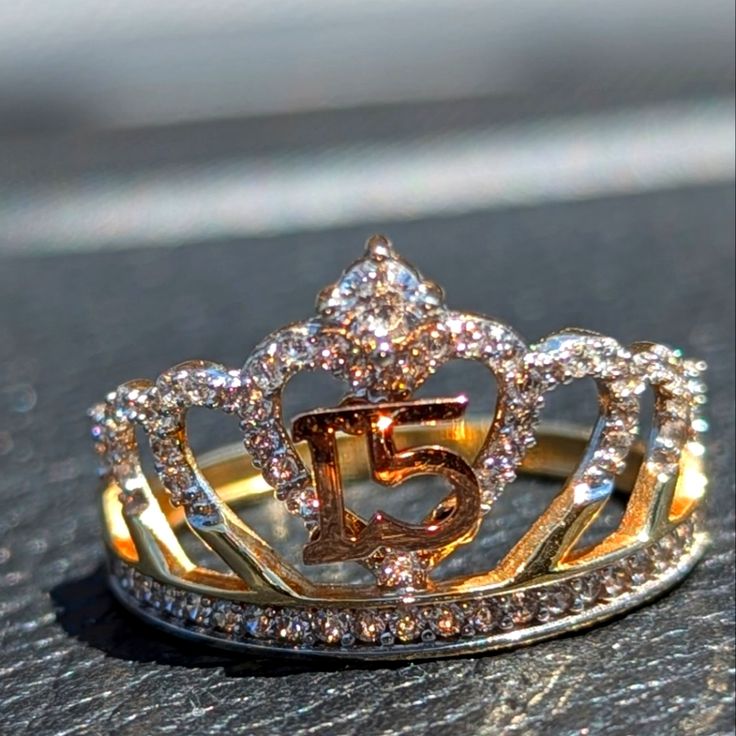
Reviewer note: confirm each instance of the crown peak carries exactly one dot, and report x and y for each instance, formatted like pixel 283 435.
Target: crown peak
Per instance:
pixel 379 246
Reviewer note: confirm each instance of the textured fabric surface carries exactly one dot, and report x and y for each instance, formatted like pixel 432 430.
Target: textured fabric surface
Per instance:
pixel 654 267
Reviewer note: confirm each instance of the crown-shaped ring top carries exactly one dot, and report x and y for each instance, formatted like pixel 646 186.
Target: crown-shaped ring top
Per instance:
pixel 383 329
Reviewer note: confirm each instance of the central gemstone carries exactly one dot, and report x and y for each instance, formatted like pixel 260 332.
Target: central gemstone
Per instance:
pixel 381 299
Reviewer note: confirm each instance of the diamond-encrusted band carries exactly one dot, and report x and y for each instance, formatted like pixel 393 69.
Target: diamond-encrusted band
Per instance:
pixel 383 329
pixel 491 622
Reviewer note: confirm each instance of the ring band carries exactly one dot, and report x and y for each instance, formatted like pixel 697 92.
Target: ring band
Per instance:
pixel 384 329
pixel 193 605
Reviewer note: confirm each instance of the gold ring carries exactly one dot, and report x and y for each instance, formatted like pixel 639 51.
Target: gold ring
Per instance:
pixel 383 329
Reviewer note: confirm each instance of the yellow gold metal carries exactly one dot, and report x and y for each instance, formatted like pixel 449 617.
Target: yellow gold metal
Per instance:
pixel 152 548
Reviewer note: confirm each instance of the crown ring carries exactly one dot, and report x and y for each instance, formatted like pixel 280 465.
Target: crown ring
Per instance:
pixel 184 553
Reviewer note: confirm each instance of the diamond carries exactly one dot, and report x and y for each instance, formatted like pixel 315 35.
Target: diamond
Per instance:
pixel 613 581
pixel 194 383
pixel 523 607
pixel 303 502
pixel 283 470
pixel 263 441
pixel 380 297
pixel 173 602
pixel 663 553
pixel 256 409
pixel 683 534
pixel 404 625
pixel 226 617
pixel 483 618
pixel 558 599
pixel 331 626
pixel 191 607
pixel 262 623
pixel 397 570
pixel 639 567
pixel 294 626
pixel 587 588
pixel 369 626
pixel 446 620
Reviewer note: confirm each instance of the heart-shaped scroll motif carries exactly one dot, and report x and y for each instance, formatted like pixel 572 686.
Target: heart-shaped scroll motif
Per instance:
pixel 308 346
pixel 621 376
pixel 161 409
pixel 383 330
pixel 555 361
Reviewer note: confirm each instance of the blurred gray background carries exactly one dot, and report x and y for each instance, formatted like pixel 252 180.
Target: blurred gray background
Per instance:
pixel 123 124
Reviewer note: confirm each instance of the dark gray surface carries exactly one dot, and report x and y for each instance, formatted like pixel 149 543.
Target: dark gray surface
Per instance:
pixel 655 267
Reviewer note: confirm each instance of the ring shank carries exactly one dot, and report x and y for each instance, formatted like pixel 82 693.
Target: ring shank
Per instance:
pixel 221 609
